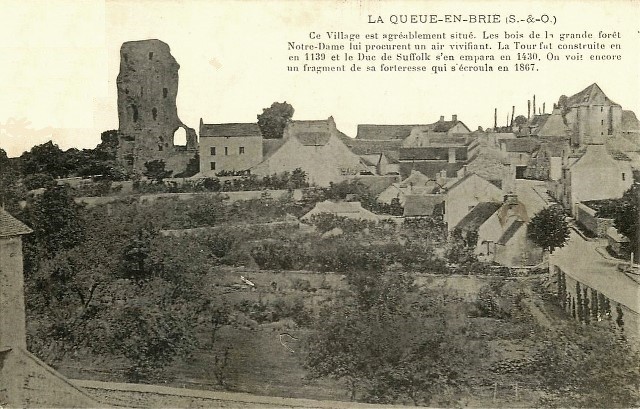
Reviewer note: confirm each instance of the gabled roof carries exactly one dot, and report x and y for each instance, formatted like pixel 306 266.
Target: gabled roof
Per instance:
pixel 589 96
pixel 423 205
pixel 10 226
pixel 510 232
pixel 229 130
pixel 445 126
pixel 554 125
pixel 478 215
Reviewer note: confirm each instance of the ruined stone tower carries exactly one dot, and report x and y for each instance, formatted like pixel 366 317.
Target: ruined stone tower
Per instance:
pixel 147 112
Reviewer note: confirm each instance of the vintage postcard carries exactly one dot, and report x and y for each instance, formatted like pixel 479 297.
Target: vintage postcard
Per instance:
pixel 319 204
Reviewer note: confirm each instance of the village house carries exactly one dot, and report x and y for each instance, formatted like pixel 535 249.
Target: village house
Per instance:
pixel 433 155
pixel 314 147
pixel 415 184
pixel 595 175
pixel 502 233
pixel 518 153
pixel 464 195
pixel 229 147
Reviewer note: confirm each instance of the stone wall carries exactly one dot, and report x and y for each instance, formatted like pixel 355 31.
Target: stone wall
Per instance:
pixel 147 112
pixel 586 217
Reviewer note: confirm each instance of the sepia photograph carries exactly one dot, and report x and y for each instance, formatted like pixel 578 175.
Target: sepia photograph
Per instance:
pixel 319 204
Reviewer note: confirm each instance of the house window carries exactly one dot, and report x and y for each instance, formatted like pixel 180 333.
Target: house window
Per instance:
pixel 241 150
pixel 601 109
pixel 165 92
pixel 159 147
pixel 213 166
pixel 226 150
pixel 150 55
pixel 213 151
pixel 602 122
pixel 154 113
pixel 624 176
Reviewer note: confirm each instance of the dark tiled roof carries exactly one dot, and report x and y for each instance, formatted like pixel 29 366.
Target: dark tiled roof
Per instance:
pixel 522 145
pixel 377 184
pixel 313 138
pixel 10 226
pixel 587 96
pixel 384 132
pixel 372 146
pixel 423 205
pixel 478 215
pixel 445 126
pixel 229 130
pixel 510 232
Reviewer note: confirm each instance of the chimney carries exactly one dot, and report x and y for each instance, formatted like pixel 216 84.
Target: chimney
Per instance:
pixel 544 109
pixel 454 118
pixel 528 109
pixel 513 113
pixel 495 118
pixel 534 105
pixel 441 118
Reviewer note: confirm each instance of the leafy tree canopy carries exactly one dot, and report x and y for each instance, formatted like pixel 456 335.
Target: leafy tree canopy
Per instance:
pixel 155 170
pixel 274 119
pixel 549 228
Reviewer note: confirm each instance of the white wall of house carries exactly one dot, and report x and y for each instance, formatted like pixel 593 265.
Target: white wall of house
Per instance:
pixel 596 176
pixel 234 153
pixel 465 196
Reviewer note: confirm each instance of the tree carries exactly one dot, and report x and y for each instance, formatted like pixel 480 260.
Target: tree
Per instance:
pixel 624 212
pixel 549 228
pixel 155 170
pixel 519 121
pixel 274 119
pixel 387 342
pixel 45 158
pixel 55 219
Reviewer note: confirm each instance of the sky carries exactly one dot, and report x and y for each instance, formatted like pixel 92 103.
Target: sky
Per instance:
pixel 61 59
